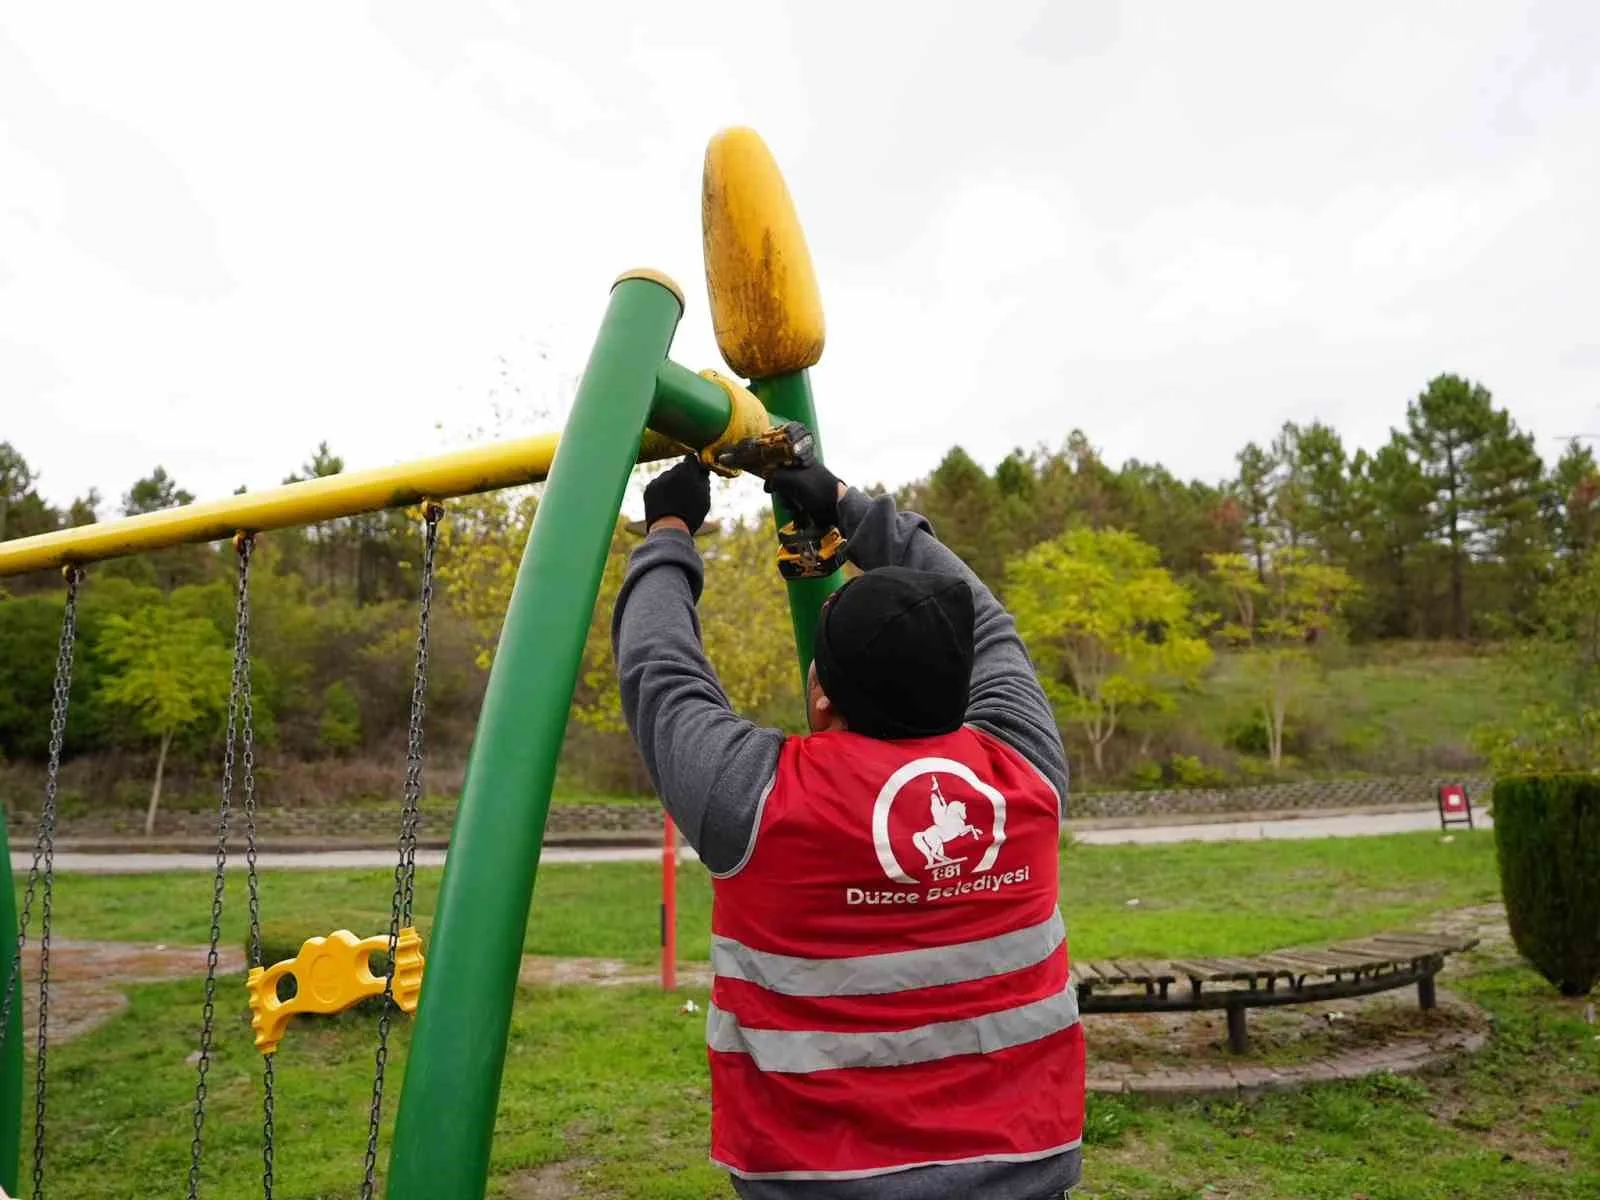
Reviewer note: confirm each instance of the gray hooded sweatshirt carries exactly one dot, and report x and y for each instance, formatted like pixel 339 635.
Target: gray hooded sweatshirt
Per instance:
pixel 710 766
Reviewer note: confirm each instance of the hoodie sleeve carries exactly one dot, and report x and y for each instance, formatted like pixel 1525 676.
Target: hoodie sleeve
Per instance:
pixel 710 766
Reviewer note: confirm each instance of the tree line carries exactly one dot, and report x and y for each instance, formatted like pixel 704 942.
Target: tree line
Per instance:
pixel 1449 528
pixel 1127 584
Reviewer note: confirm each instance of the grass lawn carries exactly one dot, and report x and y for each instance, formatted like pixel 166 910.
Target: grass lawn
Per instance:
pixel 1396 709
pixel 1197 899
pixel 1520 1120
pixel 605 1090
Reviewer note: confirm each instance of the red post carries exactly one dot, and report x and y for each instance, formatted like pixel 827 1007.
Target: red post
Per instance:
pixel 669 905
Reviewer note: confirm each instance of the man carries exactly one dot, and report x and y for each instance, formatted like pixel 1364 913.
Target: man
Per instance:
pixel 891 1014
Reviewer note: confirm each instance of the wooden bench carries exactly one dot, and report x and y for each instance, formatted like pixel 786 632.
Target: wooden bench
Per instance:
pixel 1354 968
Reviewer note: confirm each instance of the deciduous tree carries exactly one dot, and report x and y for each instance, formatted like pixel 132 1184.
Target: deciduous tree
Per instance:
pixel 169 673
pixel 1558 671
pixel 1108 627
pixel 1278 622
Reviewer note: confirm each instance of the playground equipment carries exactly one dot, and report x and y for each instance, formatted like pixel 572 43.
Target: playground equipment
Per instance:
pixel 633 405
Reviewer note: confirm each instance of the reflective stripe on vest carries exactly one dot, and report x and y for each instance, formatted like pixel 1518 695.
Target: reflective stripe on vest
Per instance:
pixel 802 1052
pixel 880 974
pixel 869 1172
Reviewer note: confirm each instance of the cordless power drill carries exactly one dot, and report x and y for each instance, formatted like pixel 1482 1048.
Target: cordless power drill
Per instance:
pixel 805 549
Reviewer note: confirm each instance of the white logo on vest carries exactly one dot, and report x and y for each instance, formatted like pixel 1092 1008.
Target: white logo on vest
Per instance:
pixel 949 823
pixel 952 827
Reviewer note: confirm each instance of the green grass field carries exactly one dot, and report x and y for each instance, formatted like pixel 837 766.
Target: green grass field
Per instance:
pixel 605 1090
pixel 1399 708
pixel 1225 898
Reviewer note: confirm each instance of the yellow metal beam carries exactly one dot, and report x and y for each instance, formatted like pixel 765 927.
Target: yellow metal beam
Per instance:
pixel 461 473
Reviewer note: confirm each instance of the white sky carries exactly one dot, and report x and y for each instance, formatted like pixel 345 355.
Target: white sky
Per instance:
pixel 227 232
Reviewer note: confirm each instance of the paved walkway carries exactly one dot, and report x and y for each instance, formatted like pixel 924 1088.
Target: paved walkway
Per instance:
pixel 135 863
pixel 1347 825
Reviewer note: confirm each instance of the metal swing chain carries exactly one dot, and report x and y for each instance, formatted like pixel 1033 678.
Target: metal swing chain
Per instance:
pixel 44 850
pixel 247 738
pixel 406 865
pixel 236 694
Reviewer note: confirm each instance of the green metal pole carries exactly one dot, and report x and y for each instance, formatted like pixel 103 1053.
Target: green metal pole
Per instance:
pixel 447 1109
pixel 688 408
pixel 788 398
pixel 11 1054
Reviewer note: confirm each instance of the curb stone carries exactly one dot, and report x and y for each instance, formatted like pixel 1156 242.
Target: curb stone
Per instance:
pixel 1404 1056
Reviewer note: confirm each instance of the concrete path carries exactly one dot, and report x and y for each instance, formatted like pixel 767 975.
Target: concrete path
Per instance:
pixel 134 863
pixel 1348 825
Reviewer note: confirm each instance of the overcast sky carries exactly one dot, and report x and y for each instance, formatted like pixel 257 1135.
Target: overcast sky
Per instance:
pixel 227 232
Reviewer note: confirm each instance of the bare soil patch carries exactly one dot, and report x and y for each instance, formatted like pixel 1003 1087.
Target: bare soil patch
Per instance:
pixel 550 1182
pixel 1286 1036
pixel 86 979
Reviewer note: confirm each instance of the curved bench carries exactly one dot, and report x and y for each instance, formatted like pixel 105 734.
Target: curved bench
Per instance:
pixel 1355 968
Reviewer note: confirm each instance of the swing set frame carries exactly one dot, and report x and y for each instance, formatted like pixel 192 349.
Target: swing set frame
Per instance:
pixel 633 405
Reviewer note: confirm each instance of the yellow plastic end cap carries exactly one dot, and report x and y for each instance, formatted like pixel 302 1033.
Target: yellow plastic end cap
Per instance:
pixel 747 417
pixel 654 276
pixel 765 305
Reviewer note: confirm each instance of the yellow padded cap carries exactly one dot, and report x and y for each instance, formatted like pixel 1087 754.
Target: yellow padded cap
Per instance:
pixel 765 305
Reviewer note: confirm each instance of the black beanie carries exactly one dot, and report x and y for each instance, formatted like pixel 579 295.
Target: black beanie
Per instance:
pixel 894 652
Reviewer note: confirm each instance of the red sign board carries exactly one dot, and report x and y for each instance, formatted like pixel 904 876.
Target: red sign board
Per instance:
pixel 1455 807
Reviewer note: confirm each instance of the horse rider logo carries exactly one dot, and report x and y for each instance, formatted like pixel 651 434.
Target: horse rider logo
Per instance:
pixel 949 823
pixel 951 820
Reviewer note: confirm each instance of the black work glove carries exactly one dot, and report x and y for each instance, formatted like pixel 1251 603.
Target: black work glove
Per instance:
pixel 683 492
pixel 810 491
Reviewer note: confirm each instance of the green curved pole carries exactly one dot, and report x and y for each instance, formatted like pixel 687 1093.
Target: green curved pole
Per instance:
pixel 788 398
pixel 447 1109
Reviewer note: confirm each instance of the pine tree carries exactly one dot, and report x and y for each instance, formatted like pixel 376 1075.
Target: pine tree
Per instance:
pixel 1325 483
pixel 23 512
pixel 1510 535
pixel 960 500
pixel 1288 488
pixel 1449 423
pixel 1254 490
pixel 1575 501
pixel 1391 500
pixel 154 492
pixel 85 509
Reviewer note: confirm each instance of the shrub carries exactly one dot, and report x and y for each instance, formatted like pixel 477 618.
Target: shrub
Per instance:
pixel 1186 770
pixel 1146 775
pixel 340 727
pixel 1547 831
pixel 1250 736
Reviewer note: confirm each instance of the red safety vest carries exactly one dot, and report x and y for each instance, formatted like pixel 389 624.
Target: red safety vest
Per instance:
pixel 891 986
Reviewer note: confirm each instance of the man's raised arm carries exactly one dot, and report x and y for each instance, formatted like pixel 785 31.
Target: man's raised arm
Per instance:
pixel 710 766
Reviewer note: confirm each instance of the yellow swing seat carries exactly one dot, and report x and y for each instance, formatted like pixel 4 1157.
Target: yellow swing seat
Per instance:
pixel 331 974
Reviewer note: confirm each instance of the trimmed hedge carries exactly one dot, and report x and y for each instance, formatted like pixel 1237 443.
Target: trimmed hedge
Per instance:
pixel 1547 831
